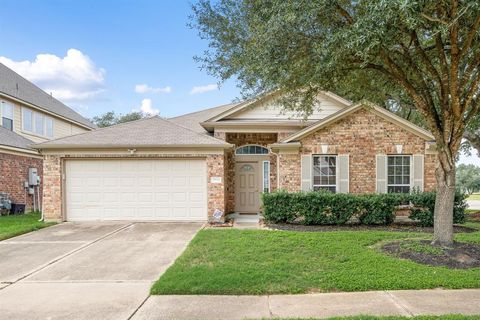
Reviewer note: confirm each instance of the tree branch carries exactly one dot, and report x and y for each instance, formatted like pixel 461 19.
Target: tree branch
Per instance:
pixel 470 36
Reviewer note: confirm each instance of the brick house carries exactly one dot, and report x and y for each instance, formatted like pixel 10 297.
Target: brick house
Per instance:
pixel 220 160
pixel 29 115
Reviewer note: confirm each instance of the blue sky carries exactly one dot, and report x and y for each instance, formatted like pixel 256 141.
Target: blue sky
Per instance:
pixel 128 43
pixel 117 45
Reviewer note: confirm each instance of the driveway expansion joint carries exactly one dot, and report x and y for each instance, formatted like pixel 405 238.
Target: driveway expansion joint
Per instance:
pixel 70 253
pixel 398 303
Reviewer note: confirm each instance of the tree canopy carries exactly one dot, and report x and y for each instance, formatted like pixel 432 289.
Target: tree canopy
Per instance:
pixel 111 118
pixel 468 178
pixel 409 54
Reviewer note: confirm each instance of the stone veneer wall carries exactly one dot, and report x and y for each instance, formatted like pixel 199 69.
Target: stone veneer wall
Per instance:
pixel 53 167
pixel 238 140
pixel 362 135
pixel 14 173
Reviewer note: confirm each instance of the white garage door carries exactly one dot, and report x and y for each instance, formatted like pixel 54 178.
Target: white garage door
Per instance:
pixel 136 190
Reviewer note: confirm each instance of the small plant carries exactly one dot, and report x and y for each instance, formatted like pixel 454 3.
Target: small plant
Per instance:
pixel 420 247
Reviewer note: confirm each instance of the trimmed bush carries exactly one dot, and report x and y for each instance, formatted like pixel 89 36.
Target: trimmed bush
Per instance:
pixel 380 208
pixel 424 206
pixel 326 208
pixel 279 206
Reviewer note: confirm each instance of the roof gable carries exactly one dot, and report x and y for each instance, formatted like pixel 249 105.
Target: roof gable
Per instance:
pixel 16 87
pixel 149 132
pixel 385 114
pixel 192 120
pixel 265 108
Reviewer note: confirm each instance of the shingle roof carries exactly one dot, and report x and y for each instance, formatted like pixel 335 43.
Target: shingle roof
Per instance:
pixel 12 139
pixel 193 120
pixel 149 132
pixel 14 85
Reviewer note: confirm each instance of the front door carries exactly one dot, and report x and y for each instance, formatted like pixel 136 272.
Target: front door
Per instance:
pixel 247 187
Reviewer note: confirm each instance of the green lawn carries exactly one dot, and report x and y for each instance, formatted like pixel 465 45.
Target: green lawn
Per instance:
pixel 446 317
pixel 11 226
pixel 233 261
pixel 475 196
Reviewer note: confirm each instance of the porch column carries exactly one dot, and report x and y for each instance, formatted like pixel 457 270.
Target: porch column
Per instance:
pixel 52 188
pixel 216 184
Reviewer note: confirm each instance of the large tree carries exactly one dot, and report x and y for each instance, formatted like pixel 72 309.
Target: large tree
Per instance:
pixel 110 118
pixel 427 52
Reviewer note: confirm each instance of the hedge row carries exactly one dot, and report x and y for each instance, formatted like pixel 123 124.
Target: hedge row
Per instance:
pixel 326 208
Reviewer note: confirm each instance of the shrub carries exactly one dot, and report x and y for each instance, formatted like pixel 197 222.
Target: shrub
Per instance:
pixel 380 208
pixel 278 206
pixel 326 208
pixel 424 206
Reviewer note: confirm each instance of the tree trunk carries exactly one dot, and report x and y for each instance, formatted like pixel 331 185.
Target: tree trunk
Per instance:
pixel 443 216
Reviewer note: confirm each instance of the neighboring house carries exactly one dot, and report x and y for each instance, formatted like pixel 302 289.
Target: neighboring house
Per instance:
pixel 28 115
pixel 223 158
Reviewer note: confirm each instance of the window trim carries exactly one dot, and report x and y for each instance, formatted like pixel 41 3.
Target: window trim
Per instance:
pixel 252 154
pixel 267 162
pixel 33 132
pixel 409 185
pixel 336 172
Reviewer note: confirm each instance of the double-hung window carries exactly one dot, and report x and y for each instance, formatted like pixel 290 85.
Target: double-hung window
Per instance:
pixel 6 111
pixel 398 168
pixel 325 173
pixel 37 123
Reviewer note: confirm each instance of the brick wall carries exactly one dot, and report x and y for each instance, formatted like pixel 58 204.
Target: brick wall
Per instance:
pixel 52 168
pixel 13 174
pixel 52 188
pixel 362 135
pixel 289 172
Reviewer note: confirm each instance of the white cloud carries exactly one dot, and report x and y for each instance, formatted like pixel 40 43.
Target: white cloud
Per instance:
pixel 144 88
pixel 203 89
pixel 71 78
pixel 147 107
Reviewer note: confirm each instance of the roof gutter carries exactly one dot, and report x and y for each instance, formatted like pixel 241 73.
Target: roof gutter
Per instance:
pixel 46 146
pixel 46 111
pixel 20 150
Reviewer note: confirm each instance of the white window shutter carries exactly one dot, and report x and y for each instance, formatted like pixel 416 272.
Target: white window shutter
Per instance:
pixel 343 173
pixel 417 174
pixel 306 175
pixel 381 170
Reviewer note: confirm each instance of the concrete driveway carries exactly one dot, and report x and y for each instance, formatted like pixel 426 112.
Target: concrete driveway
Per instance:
pixel 86 270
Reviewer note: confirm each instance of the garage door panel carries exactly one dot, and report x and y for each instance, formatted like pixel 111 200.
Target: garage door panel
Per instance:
pixel 162 181
pixel 136 189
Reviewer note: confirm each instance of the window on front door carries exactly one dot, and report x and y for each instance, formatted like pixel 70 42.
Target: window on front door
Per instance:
pixel 325 173
pixel 398 174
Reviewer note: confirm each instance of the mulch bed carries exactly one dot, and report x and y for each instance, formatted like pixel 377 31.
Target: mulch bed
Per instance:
pixel 460 256
pixel 474 216
pixel 396 227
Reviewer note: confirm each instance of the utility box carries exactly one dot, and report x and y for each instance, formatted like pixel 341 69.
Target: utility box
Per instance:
pixel 33 177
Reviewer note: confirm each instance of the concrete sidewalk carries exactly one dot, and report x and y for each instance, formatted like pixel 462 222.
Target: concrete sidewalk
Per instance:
pixel 323 305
